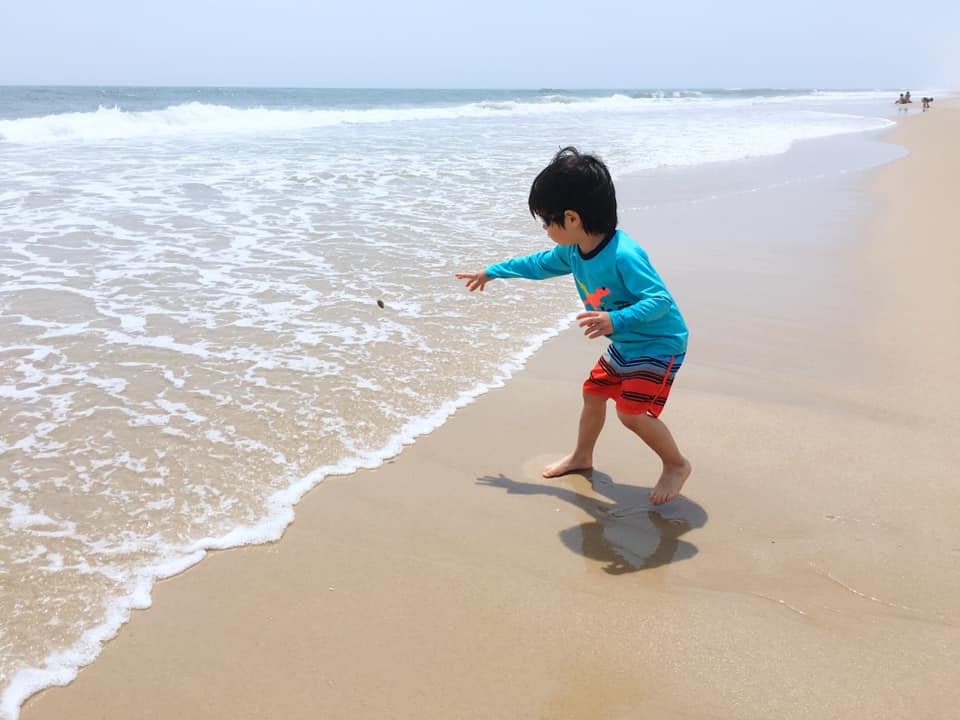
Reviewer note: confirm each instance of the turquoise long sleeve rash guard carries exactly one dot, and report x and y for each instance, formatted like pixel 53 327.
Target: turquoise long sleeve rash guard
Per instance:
pixel 617 278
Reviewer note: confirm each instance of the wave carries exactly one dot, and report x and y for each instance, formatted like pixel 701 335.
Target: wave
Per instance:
pixel 195 118
pixel 199 118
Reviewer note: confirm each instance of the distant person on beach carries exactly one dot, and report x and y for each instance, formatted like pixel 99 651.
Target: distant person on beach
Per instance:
pixel 926 103
pixel 902 102
pixel 624 300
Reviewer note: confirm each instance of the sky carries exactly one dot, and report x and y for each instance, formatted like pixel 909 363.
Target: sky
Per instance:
pixel 483 43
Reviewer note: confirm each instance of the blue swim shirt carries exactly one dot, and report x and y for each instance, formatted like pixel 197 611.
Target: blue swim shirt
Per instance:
pixel 616 277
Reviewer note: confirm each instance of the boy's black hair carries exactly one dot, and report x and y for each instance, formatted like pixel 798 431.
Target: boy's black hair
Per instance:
pixel 574 181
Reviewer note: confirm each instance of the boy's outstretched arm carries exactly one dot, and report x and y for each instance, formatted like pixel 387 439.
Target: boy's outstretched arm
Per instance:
pixel 475 280
pixel 538 266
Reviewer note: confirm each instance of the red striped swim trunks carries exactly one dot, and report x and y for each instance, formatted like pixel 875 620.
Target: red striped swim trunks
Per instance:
pixel 638 385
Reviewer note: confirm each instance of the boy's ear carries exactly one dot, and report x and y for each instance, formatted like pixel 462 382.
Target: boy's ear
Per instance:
pixel 571 216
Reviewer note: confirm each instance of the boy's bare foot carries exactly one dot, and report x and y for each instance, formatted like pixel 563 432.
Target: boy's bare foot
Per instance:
pixel 571 463
pixel 671 482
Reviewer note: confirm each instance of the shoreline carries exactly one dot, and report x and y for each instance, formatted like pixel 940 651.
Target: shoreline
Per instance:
pixel 440 551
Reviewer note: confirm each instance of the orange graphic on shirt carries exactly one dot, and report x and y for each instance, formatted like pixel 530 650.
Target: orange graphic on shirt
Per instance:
pixel 595 299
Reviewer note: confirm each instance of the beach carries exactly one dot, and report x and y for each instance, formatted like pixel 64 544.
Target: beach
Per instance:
pixel 808 570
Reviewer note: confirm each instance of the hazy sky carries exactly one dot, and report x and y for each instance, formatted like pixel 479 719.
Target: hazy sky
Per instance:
pixel 482 43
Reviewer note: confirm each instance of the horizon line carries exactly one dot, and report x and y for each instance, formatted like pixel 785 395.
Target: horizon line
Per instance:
pixel 542 88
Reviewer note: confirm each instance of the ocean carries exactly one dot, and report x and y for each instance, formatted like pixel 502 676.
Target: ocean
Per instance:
pixel 191 281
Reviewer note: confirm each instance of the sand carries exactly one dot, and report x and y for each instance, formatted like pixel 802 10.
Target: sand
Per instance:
pixel 811 568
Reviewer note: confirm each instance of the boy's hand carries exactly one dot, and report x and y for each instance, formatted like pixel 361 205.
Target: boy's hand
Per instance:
pixel 595 324
pixel 475 281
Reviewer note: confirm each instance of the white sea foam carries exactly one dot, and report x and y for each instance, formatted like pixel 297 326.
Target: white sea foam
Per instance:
pixel 61 667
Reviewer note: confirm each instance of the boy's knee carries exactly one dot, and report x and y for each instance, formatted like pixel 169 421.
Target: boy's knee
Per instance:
pixel 594 400
pixel 633 419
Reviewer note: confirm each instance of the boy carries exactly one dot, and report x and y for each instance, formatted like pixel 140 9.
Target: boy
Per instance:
pixel 625 300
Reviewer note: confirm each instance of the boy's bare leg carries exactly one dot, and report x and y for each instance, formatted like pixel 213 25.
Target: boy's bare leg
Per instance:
pixel 676 468
pixel 591 423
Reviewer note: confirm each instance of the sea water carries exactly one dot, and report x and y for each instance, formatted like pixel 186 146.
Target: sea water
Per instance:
pixel 191 281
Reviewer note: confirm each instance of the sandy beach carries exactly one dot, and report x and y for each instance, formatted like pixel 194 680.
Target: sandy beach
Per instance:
pixel 810 570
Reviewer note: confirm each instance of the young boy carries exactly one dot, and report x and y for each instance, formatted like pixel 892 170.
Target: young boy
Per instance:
pixel 625 300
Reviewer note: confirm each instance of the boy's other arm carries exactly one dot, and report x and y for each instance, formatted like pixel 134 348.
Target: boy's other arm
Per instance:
pixel 642 282
pixel 595 323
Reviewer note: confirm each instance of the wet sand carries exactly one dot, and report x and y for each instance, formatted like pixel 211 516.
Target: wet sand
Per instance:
pixel 809 570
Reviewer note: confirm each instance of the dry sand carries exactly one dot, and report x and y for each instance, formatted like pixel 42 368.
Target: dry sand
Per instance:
pixel 812 569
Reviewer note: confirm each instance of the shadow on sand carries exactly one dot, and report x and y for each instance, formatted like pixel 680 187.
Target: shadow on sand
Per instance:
pixel 627 532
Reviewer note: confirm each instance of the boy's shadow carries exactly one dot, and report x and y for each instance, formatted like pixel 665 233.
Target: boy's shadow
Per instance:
pixel 627 533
